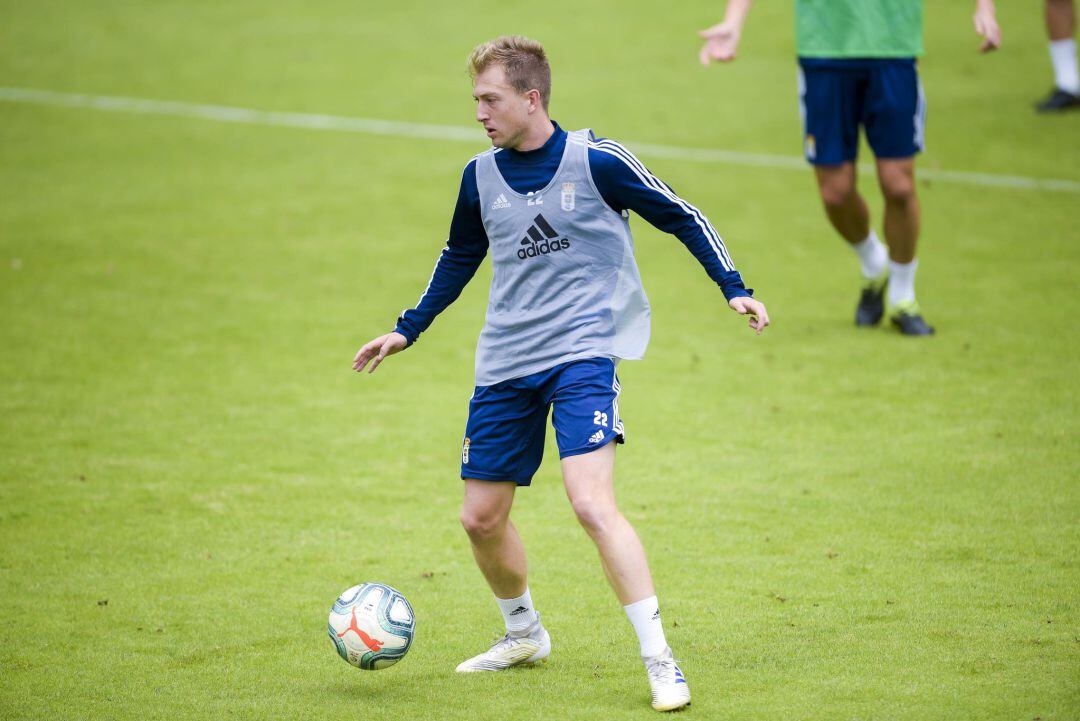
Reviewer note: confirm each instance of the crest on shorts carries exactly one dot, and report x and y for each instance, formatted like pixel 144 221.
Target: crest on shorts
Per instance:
pixel 465 451
pixel 811 147
pixel 568 196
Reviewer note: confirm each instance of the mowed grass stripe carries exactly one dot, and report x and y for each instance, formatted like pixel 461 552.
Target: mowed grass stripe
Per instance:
pixel 429 131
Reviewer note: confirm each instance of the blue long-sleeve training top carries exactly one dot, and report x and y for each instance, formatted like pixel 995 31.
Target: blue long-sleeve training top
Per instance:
pixel 624 184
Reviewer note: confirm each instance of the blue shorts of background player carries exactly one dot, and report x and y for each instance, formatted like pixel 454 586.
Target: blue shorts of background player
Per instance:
pixel 883 95
pixel 504 437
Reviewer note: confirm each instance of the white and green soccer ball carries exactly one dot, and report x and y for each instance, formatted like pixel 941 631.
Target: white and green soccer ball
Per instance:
pixel 371 626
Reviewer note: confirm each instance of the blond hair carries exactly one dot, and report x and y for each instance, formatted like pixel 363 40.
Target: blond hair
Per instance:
pixel 523 60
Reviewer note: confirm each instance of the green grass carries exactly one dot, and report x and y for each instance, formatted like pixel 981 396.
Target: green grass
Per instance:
pixel 842 524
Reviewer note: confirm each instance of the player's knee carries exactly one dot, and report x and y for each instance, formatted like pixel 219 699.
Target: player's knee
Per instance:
pixel 837 194
pixel 481 524
pixel 898 190
pixel 595 517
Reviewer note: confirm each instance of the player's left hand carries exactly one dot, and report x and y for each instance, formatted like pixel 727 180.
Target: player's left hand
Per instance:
pixel 986 25
pixel 376 350
pixel 759 317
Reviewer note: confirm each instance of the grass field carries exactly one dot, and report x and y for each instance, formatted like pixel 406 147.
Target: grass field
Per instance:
pixel 842 524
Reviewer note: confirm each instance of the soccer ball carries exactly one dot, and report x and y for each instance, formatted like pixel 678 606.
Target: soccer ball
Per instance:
pixel 371 626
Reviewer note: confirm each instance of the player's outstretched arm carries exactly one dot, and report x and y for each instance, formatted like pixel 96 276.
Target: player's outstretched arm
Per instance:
pixel 466 247
pixel 759 317
pixel 376 350
pixel 986 25
pixel 722 39
pixel 626 184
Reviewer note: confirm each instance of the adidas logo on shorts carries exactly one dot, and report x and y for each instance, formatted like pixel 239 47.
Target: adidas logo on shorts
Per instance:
pixel 596 437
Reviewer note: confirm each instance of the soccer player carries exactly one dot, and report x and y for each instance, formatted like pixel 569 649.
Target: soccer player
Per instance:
pixel 1061 27
pixel 566 304
pixel 857 67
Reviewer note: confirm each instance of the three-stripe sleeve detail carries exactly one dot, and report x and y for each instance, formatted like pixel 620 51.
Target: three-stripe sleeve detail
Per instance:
pixel 651 181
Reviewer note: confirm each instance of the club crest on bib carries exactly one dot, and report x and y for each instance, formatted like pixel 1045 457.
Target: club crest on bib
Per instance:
pixel 568 198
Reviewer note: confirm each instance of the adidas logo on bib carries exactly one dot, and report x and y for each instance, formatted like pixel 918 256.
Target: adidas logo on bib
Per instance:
pixel 541 239
pixel 500 202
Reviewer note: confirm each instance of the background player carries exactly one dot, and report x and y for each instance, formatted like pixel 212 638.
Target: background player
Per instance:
pixel 1061 29
pixel 565 304
pixel 857 67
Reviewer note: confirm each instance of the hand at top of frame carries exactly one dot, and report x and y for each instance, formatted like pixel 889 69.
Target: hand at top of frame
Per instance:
pixel 721 42
pixel 987 26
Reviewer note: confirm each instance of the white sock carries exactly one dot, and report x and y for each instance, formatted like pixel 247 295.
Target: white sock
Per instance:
pixel 902 281
pixel 872 255
pixel 645 616
pixel 518 613
pixel 1063 57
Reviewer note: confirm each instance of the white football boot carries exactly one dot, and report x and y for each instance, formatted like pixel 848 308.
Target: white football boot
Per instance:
pixel 669 688
pixel 509 650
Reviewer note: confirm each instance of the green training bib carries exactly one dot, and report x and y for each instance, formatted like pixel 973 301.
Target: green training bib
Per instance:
pixel 858 28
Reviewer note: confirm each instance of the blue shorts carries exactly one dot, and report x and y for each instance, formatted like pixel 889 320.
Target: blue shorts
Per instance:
pixel 883 95
pixel 504 438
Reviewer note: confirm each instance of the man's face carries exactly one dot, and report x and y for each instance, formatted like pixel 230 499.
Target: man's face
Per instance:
pixel 503 111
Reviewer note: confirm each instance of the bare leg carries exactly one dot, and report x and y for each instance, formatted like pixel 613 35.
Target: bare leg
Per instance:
pixel 897 178
pixel 845 207
pixel 589 481
pixel 499 552
pixel 1060 19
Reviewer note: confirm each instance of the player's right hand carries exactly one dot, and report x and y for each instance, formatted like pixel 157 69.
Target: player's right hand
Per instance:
pixel 986 25
pixel 377 350
pixel 721 43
